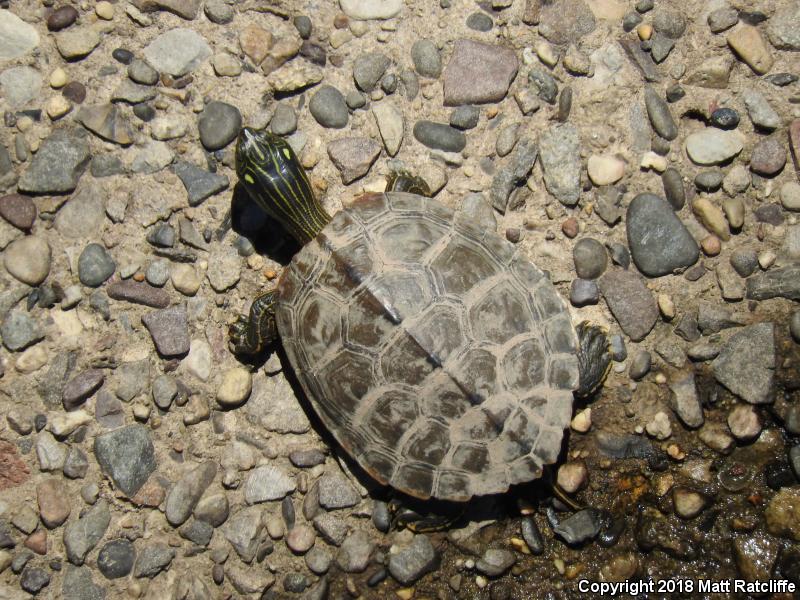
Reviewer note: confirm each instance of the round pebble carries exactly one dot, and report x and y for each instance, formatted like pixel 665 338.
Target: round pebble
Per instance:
pixel 58 78
pixel 18 210
pixel 284 120
pixel 605 169
pixel 329 108
pixel 584 292
pixel 95 265
pixel 572 476
pixel 708 181
pixel 640 365
pixel 688 503
pixel 479 21
pixel 61 18
pixel 768 157
pixel 28 259
pixel 426 58
pixel 116 558
pixel 744 422
pixel 235 388
pixel 301 538
pixel 744 261
pixel 725 118
pixel 121 55
pixel 104 10
pixel 157 273
pixel 590 258
pixel 74 91
pixel 790 196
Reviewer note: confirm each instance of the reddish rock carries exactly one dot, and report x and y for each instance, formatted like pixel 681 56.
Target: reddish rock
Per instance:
pixel 138 293
pixel 54 506
pixel 769 157
pixel 13 471
pixel 478 73
pixel 630 301
pixel 18 210
pixel 37 541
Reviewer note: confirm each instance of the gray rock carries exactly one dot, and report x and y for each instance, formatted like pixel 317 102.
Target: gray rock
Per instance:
pixel 95 265
pixel 76 464
pixel 219 124
pixel 78 584
pixel 590 258
pixel 566 22
pixel 439 136
pixel 353 555
pixel 197 532
pixel 332 529
pixel 81 387
pixel 19 331
pixel 83 215
pixel 479 21
pixel 722 18
pixel 219 11
pixel 20 85
pixel 684 399
pixel 267 483
pixel 335 491
pixel 28 259
pixel 138 292
pixel 495 562
pixel 169 329
pixel 177 52
pixel 426 58
pixel 353 156
pixel 781 282
pixel 81 536
pixel 414 561
pixel 708 181
pixel 199 183
pixel 213 509
pixel 165 389
pixel 768 158
pixel 18 37
pixel 107 165
pixel 673 188
pixel 669 22
pixel 157 272
pixel 630 301
pixel 318 560
pixel 660 47
pixel 584 292
pixel 544 84
pixel 367 10
pixel 759 110
pixel 513 174
pixel 59 163
pixel 368 70
pixel 478 210
pixel 783 28
pixel 660 114
pixel 478 73
pixel 658 240
pixel 127 456
pixel 580 527
pixel 640 365
pixel 106 121
pixel 712 146
pixel 140 72
pixel 243 530
pixel 34 579
pixel 559 148
pixel 506 139
pixel 50 454
pixel 713 318
pixel 284 120
pixel 184 495
pixel 133 93
pixel 465 117
pixel 153 558
pixel 116 558
pixel 746 363
pixel 329 108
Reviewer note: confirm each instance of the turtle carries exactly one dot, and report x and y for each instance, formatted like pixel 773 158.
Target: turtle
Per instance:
pixel 442 360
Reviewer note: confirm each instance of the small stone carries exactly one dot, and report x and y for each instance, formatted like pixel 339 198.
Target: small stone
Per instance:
pixel 760 111
pixel 572 476
pixel 673 188
pixel 366 10
pixel 688 503
pixel 478 73
pixel 169 330
pixel 267 483
pixel 355 552
pixel 127 456
pixel 337 492
pixel 52 498
pixel 560 160
pixel 605 169
pixel 328 107
pixel 235 388
pixel 712 217
pixel 19 331
pixel 659 427
pixel 712 146
pixel 153 558
pixel 426 58
pixel 725 118
pixel 81 387
pixel 18 210
pixel 368 70
pixel 748 44
pixel 28 259
pixel 95 265
pixel 116 558
pixel 34 579
pixel 790 196
pixel 733 208
pixel 582 422
pixel 81 536
pixel 185 494
pixel 590 258
pixel 768 157
pixel 630 301
pixel 479 21
pixel 301 538
pixel 419 558
pixel 744 423
pixel 353 156
pixel 61 18
pixel 660 115
pixel 138 293
pixel 746 363
pixel 640 365
pixel 219 124
pixel 708 181
pixel 584 292
pixel 669 22
pixel 177 51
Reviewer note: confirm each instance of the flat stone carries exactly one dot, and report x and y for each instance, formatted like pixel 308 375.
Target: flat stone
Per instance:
pixel 353 156
pixel 138 293
pixel 335 492
pixel 478 73
pixel 218 125
pixel 169 329
pixel 17 38
pixel 368 69
pixel 365 10
pixel 127 456
pixel 389 120
pixel 426 58
pixel 712 217
pixel 19 331
pixel 81 536
pixel 354 554
pixel 712 73
pixel 294 76
pixel 746 363
pixel 54 505
pixel 78 584
pixel 783 28
pixel 514 173
pixel 768 157
pixel 28 259
pixel 630 301
pixel 328 107
pixel 186 493
pixel 712 146
pixel 81 387
pixel 77 43
pixel 760 111
pixel 177 52
pixel 243 531
pixel 413 561
pixel 566 22
pixel 59 163
pixel 116 558
pixel 20 85
pixel 108 122
pixel 235 387
pixel 673 188
pixel 95 265
pixel 748 44
pixel 658 240
pixel 439 136
pixel 18 210
pixel 605 169
pixel 660 115
pixel 560 159
pixel 153 558
pixel 684 399
pixel 267 483
pixel 200 184
pixel 744 423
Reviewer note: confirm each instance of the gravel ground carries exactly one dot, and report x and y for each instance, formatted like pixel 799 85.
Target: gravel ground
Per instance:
pixel 645 154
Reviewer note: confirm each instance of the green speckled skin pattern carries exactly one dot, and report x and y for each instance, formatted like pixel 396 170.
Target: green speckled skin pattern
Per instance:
pixel 440 359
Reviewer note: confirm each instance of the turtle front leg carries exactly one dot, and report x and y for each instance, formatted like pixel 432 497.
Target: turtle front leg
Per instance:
pixel 594 358
pixel 252 333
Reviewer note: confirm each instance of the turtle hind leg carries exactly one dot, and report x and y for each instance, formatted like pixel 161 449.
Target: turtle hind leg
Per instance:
pixel 594 358
pixel 403 181
pixel 251 334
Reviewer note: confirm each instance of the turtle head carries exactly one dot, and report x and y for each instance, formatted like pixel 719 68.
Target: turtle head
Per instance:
pixel 269 171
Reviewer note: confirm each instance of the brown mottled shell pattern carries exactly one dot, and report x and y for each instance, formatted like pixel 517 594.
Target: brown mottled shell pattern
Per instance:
pixel 442 361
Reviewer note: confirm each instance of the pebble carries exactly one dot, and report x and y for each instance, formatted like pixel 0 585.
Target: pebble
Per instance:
pixel 107 122
pixel 669 22
pixel 318 560
pixel 267 483
pixel 725 118
pixel 301 538
pixel 138 293
pixel 684 399
pixel 34 579
pixel 782 513
pixel 28 259
pixel 722 18
pixel 582 422
pixel 744 422
pixel 439 136
pixel 95 265
pixel 353 156
pixel 284 120
pixel 688 503
pixel 235 387
pixel 712 217
pixel 630 301
pixel 59 163
pixel 659 427
pixel 54 507
pixel 478 73
pixel 479 21
pixel 712 146
pixel 127 456
pixel 82 535
pixel 218 124
pixel 177 52
pixel 560 160
pixel 466 117
pixel 169 329
pixel 328 107
pixel 426 58
pixel 153 558
pixel 19 331
pixel 368 69
pixel 336 492
pixel 116 558
pixel 81 387
pixel 790 196
pixel 77 43
pixel 572 476
pixel 579 527
pixel 354 554
pixel 640 365
pixel 186 492
pixel 366 10
pixel 20 85
pixel 768 157
pixel 61 18
pixel 199 183
pixel 658 240
pixel 590 258
pixel 748 44
pixel 782 28
pixel 708 181
pixel 734 212
pixel 760 111
pixel 746 363
pixel 660 115
pixel 605 169
pixel 584 292
pixel 412 562
pixel 673 188
pixel 19 37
